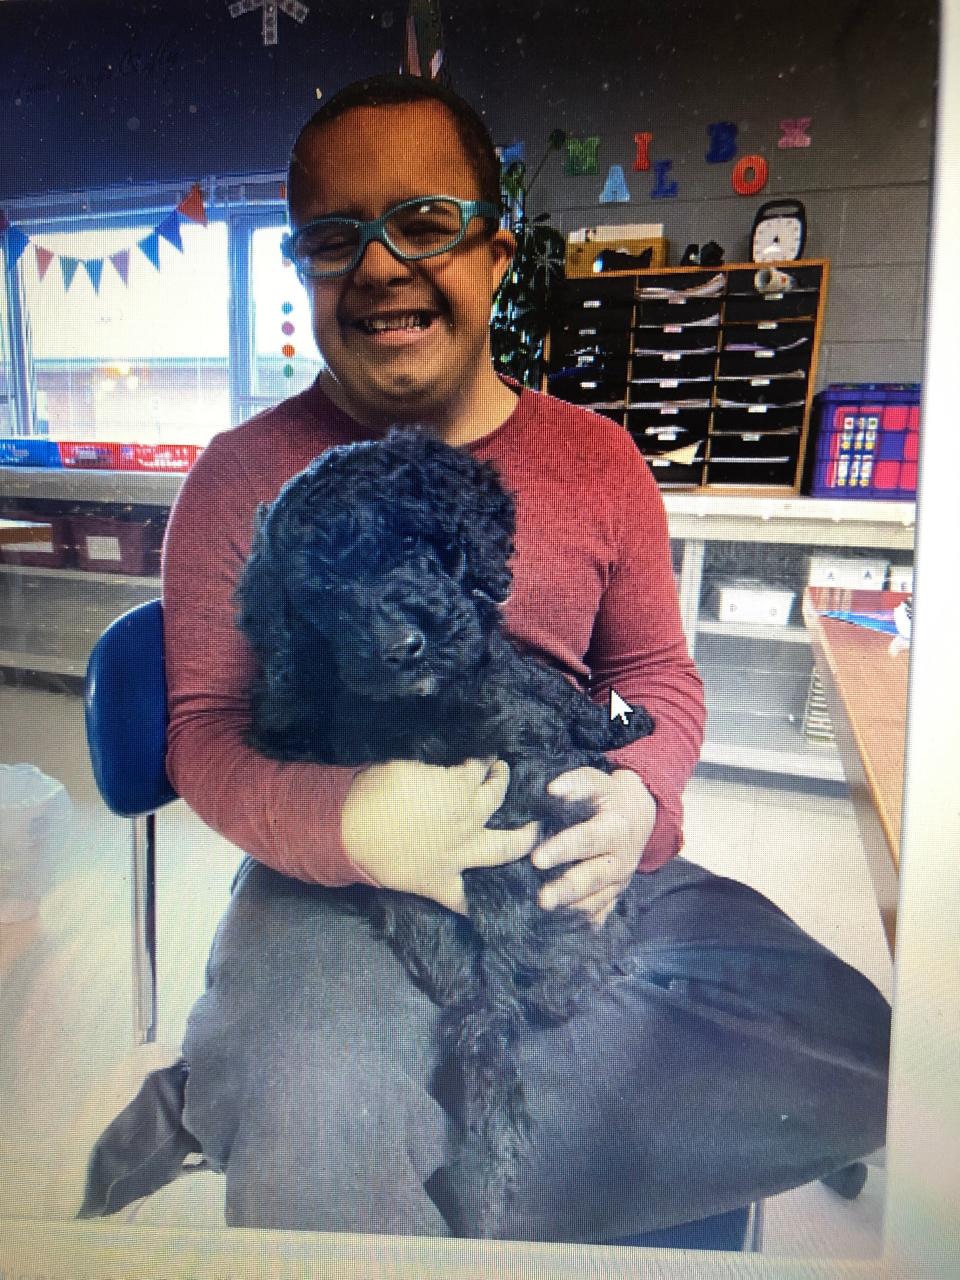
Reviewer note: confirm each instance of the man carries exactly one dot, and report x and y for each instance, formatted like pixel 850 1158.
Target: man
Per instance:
pixel 310 1057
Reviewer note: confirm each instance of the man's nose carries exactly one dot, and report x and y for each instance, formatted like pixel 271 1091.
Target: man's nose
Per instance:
pixel 377 264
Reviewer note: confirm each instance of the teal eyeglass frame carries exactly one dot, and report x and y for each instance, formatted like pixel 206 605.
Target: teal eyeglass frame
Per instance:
pixel 375 229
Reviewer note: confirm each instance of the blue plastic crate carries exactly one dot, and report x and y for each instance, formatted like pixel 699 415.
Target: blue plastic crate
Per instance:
pixel 29 451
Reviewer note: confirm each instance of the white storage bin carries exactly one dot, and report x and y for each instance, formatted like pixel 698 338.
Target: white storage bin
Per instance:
pixel 847 572
pixel 901 577
pixel 755 604
pixel 35 813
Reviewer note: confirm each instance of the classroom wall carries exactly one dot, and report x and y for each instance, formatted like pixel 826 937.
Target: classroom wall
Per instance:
pixel 103 92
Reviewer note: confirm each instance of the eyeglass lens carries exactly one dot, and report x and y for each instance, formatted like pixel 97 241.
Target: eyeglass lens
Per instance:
pixel 413 231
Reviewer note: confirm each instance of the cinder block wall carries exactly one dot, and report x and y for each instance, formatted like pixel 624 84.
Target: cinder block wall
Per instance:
pixel 128 91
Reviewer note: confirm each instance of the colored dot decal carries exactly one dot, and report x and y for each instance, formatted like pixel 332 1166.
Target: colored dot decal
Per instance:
pixel 287 308
pixel 287 327
pixel 288 349
pixel 288 370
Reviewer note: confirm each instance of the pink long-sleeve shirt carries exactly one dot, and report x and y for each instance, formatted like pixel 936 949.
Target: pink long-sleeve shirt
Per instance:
pixel 593 593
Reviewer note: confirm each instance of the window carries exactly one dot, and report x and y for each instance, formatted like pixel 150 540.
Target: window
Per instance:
pixel 144 361
pixel 7 413
pixel 285 355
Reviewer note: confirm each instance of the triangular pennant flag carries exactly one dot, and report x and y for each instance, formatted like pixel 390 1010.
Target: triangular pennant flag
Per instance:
pixel 192 206
pixel 94 268
pixel 121 260
pixel 169 228
pixel 17 241
pixel 151 247
pixel 69 268
pixel 44 258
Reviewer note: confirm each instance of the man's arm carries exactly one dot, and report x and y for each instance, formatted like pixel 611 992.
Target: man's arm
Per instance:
pixel 404 825
pixel 638 648
pixel 285 815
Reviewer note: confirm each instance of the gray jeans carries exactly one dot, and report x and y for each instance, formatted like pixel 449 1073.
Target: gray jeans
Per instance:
pixel 732 1058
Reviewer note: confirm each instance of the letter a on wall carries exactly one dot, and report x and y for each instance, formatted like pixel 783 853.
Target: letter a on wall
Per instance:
pixel 615 190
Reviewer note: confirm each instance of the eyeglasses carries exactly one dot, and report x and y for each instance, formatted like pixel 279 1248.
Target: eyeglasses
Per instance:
pixel 412 230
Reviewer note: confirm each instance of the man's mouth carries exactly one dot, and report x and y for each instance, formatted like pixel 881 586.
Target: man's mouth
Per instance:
pixel 396 322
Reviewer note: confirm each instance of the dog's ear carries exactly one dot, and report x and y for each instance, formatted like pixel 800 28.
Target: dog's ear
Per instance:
pixel 281 707
pixel 485 532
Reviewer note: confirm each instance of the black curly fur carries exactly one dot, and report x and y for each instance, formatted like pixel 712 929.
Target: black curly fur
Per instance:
pixel 372 599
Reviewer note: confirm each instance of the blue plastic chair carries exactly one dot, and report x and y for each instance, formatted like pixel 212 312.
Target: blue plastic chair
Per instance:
pixel 126 719
pixel 125 704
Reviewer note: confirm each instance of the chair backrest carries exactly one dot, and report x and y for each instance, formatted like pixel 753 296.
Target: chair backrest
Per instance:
pixel 126 713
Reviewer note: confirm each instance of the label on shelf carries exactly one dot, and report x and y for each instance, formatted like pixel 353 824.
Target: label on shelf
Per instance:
pixel 99 548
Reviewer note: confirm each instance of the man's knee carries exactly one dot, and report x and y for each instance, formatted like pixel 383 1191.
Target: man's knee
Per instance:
pixel 338 1141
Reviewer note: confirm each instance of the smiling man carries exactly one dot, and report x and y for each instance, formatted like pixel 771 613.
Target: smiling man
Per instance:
pixel 310 1060
pixel 402 339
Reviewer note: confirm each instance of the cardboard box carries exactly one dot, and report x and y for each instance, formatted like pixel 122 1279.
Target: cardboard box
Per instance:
pixel 755 605
pixel 581 255
pixel 849 573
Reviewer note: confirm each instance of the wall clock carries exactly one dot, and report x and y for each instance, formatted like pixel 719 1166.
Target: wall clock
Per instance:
pixel 779 231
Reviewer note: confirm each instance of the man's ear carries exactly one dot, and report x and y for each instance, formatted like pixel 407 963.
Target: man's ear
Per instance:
pixel 503 245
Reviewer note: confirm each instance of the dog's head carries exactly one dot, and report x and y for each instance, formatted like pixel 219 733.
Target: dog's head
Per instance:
pixel 386 560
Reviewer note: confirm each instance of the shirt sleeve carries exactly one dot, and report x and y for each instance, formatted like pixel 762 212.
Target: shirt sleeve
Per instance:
pixel 286 815
pixel 638 647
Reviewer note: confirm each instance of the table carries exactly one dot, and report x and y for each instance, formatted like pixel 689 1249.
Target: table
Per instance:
pixel 864 674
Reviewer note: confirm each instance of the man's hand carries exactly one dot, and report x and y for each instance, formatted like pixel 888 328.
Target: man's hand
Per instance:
pixel 416 827
pixel 604 850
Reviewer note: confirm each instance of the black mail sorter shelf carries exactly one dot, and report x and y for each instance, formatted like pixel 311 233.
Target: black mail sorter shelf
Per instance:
pixel 712 371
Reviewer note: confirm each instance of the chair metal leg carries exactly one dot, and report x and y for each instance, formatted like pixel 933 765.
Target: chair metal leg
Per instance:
pixel 753 1236
pixel 143 883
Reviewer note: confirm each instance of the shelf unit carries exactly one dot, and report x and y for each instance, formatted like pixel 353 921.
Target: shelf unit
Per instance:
pixel 757 677
pixel 711 370
pixel 50 618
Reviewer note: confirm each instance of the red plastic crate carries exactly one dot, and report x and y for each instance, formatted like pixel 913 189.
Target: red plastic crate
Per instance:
pixel 159 457
pixel 867 441
pixel 96 455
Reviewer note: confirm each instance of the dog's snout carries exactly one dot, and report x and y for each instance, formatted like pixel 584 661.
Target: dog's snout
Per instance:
pixel 410 645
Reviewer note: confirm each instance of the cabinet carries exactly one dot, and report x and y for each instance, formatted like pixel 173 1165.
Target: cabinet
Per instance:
pixel 711 371
pixel 51 617
pixel 757 675
pixel 762 702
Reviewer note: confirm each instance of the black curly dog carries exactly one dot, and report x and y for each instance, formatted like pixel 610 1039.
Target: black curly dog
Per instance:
pixel 371 598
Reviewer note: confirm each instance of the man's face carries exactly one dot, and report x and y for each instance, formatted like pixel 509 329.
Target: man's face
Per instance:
pixel 360 165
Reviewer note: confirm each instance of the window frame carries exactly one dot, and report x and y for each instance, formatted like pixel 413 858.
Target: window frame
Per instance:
pixel 226 200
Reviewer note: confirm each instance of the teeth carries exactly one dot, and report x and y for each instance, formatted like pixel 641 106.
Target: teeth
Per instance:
pixel 406 320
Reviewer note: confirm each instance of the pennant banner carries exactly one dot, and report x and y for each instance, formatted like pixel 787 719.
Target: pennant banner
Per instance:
pixel 169 228
pixel 151 247
pixel 94 268
pixel 191 207
pixel 16 243
pixel 121 261
pixel 69 268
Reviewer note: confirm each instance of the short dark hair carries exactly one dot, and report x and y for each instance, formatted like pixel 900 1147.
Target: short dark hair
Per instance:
pixel 392 90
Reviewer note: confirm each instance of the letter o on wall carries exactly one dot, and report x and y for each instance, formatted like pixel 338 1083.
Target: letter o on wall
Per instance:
pixel 749 175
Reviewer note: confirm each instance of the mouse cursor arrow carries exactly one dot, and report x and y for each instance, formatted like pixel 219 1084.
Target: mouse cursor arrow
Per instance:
pixel 619 709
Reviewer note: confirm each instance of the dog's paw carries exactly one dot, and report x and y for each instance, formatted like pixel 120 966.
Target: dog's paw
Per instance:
pixel 622 730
